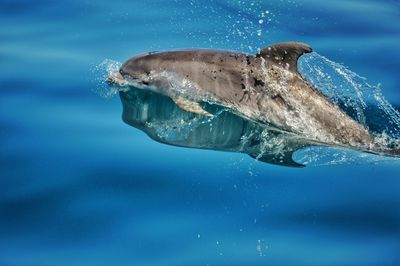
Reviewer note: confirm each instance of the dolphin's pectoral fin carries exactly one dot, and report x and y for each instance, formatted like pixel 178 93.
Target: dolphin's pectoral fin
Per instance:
pixel 190 106
pixel 283 158
pixel 285 54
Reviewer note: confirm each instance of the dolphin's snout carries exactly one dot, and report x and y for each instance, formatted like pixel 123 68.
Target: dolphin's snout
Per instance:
pixel 116 78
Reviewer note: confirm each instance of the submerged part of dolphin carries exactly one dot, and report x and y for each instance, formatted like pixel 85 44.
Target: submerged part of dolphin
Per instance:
pixel 264 91
pixel 165 122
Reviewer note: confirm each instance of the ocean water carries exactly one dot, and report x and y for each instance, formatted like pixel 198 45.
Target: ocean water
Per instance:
pixel 78 186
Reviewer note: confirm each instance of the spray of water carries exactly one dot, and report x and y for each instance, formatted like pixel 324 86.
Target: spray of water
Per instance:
pixel 351 92
pixel 102 73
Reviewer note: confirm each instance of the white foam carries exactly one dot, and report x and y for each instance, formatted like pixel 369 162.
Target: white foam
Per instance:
pixel 103 71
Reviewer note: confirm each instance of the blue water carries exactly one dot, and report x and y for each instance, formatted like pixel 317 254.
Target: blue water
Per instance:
pixel 80 187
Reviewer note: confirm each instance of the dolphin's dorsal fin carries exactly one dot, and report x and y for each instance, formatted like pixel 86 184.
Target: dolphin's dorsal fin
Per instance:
pixel 285 54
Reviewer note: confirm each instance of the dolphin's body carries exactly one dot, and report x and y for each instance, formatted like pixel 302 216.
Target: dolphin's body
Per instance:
pixel 265 88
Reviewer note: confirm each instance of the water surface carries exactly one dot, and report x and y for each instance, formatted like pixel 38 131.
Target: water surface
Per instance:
pixel 80 187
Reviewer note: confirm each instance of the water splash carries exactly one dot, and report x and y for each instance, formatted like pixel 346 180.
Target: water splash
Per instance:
pixel 102 72
pixel 353 94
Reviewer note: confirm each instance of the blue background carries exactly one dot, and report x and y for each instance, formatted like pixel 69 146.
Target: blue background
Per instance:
pixel 80 187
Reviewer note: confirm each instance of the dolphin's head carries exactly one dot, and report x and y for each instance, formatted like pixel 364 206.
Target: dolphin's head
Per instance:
pixel 143 71
pixel 138 69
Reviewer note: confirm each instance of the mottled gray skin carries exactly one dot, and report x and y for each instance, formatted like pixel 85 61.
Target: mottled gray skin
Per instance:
pixel 265 87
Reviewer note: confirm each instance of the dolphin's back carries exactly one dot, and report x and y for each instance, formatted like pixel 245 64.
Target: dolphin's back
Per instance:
pixel 217 72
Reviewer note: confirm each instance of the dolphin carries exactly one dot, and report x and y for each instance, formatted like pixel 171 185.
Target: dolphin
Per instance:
pixel 266 88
